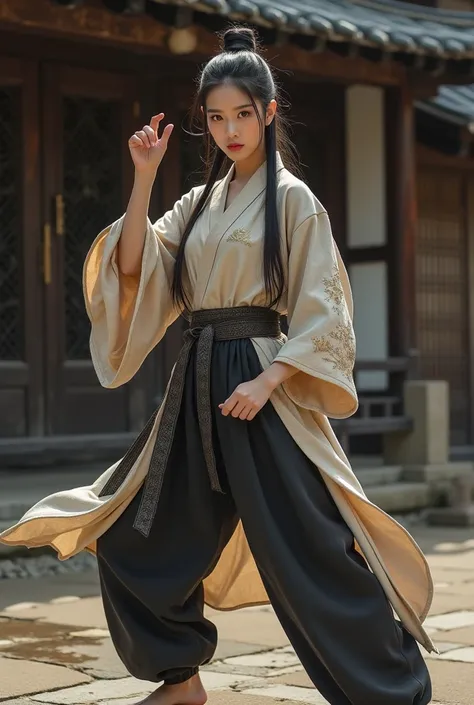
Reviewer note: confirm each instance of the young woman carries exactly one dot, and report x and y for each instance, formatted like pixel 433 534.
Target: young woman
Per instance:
pixel 237 491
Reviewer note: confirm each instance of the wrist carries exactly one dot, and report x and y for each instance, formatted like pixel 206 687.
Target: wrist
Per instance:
pixel 277 373
pixel 268 381
pixel 145 178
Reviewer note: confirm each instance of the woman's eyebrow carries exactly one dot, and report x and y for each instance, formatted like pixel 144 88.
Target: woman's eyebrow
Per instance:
pixel 239 107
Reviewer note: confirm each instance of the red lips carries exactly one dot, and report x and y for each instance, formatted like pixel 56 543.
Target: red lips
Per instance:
pixel 234 146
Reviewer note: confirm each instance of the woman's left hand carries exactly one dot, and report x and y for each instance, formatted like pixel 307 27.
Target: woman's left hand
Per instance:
pixel 247 399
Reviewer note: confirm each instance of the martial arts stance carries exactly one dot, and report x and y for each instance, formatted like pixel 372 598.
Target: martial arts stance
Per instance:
pixel 237 491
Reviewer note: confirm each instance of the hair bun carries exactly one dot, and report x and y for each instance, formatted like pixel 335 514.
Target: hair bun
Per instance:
pixel 240 39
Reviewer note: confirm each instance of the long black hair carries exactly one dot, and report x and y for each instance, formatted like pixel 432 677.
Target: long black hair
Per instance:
pixel 240 63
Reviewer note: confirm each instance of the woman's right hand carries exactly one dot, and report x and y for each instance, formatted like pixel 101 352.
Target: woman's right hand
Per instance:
pixel 146 149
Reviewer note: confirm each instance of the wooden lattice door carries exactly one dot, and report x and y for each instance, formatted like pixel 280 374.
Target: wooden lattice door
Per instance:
pixel 21 379
pixel 87 117
pixel 442 289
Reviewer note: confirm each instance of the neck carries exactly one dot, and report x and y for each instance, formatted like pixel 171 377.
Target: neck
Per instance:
pixel 244 169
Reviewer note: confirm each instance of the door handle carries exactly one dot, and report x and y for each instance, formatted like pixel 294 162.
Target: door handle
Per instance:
pixel 59 202
pixel 47 253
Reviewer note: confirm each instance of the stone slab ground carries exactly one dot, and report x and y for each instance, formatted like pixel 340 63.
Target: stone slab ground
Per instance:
pixel 55 648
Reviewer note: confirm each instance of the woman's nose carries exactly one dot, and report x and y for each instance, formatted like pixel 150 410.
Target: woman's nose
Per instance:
pixel 232 129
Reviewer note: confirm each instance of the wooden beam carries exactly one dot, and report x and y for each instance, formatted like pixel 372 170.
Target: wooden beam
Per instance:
pixel 402 219
pixel 431 157
pixel 94 22
pixel 328 65
pixel 422 85
pixel 86 21
pixel 469 223
pixel 307 65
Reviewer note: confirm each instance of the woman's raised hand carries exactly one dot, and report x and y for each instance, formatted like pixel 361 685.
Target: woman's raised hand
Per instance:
pixel 146 148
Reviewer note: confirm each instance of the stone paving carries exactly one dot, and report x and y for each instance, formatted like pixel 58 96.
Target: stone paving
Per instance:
pixel 55 647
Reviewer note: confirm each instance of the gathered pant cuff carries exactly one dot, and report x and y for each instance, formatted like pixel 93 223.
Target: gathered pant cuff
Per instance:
pixel 182 677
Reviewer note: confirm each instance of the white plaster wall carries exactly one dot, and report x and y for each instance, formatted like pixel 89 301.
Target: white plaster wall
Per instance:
pixel 369 285
pixel 365 160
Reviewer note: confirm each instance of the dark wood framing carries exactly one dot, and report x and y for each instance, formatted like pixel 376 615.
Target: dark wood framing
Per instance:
pixel 427 156
pixel 22 380
pixel 93 22
pixel 401 218
pixel 89 22
pixel 96 24
pixel 464 166
pixel 470 264
pixel 67 378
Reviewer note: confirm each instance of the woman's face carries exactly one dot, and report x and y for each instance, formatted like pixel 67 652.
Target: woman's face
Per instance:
pixel 233 122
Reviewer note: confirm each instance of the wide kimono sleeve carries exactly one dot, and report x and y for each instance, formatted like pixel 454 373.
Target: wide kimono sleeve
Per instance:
pixel 129 315
pixel 321 341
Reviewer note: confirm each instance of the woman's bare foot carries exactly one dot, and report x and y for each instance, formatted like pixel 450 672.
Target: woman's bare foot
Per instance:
pixel 191 692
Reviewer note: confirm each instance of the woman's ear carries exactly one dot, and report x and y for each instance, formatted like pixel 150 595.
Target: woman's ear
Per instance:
pixel 271 110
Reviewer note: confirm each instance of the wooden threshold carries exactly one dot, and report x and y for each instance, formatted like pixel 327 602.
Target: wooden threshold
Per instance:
pixel 41 451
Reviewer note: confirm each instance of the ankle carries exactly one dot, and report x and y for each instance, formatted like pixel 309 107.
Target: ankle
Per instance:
pixel 188 676
pixel 189 692
pixel 191 682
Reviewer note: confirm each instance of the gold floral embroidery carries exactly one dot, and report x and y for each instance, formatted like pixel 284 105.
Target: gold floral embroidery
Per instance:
pixel 334 290
pixel 339 344
pixel 240 235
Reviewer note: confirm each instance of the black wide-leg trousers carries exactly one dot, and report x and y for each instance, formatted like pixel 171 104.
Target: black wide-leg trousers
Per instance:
pixel 331 606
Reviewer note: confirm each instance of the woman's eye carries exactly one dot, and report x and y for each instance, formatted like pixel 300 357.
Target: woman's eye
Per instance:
pixel 245 113
pixel 215 118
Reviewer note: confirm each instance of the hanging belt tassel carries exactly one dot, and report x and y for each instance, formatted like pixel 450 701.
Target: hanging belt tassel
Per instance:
pixel 203 362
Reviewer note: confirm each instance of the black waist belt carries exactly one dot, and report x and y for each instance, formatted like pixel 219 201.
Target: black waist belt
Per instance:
pixel 206 326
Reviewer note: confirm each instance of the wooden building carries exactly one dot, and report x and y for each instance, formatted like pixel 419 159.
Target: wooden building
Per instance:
pixel 444 254
pixel 78 77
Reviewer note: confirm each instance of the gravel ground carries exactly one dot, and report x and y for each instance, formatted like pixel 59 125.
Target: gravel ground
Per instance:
pixel 39 566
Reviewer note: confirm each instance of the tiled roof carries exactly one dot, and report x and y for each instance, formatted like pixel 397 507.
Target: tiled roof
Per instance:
pixel 454 104
pixel 385 24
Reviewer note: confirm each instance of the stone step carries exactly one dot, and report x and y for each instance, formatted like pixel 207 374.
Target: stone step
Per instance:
pixel 12 511
pixel 383 475
pixel 44 452
pixel 400 496
pixel 21 489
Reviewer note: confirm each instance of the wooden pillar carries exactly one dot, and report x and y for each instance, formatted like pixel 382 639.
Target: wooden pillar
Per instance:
pixel 402 220
pixel 469 204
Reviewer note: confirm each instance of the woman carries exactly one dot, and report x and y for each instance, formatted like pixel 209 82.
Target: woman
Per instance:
pixel 237 491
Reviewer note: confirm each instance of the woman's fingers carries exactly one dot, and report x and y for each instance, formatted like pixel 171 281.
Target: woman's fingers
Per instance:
pixel 150 134
pixel 238 409
pixel 155 121
pixel 135 141
pixel 228 405
pixel 143 137
pixel 241 410
pixel 166 135
pixel 146 148
pixel 148 138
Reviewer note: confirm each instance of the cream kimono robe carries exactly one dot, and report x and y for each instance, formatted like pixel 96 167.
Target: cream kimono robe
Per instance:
pixel 129 317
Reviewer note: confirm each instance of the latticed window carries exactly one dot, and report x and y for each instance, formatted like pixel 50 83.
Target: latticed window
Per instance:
pixel 92 190
pixel 11 309
pixel 442 289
